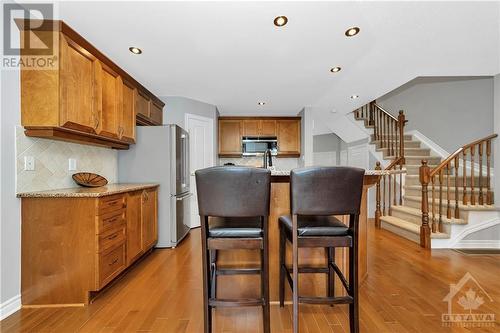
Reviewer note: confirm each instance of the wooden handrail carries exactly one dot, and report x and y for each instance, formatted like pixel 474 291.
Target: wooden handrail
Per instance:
pixel 447 190
pixel 383 110
pixel 457 152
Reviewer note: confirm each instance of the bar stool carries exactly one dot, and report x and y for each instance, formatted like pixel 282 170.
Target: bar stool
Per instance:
pixel 317 194
pixel 233 204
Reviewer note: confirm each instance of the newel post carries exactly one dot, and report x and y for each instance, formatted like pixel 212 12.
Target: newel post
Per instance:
pixel 425 231
pixel 377 207
pixel 401 123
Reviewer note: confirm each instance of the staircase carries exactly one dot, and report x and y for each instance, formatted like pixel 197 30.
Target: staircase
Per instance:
pixel 439 218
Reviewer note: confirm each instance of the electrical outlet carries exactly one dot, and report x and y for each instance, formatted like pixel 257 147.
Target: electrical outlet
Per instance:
pixel 29 163
pixel 71 164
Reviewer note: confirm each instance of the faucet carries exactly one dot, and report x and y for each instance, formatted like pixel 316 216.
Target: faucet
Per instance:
pixel 268 159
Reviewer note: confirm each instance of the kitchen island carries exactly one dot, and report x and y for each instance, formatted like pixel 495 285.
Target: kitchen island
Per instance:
pixel 309 284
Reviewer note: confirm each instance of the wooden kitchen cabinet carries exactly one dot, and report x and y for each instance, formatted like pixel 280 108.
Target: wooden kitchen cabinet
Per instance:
pixel 85 97
pixel 230 133
pixel 288 137
pixel 149 218
pixel 126 129
pixel 286 129
pixel 74 245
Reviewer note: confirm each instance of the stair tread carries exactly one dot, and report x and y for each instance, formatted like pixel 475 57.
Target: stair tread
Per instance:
pixel 452 203
pixel 452 188
pixel 409 226
pixel 418 212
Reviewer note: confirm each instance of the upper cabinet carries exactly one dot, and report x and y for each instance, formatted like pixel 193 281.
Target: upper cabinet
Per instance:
pixel 84 97
pixel 286 129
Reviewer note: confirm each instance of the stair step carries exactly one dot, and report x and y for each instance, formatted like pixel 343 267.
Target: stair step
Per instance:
pixel 416 201
pixel 408 152
pixel 415 180
pixel 408 143
pixel 408 137
pixel 417 160
pixel 416 190
pixel 414 215
pixel 406 229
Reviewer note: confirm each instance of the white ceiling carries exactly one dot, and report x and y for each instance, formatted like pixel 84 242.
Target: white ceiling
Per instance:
pixel 230 54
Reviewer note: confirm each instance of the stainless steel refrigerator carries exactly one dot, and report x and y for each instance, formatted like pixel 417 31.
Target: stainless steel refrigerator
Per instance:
pixel 161 155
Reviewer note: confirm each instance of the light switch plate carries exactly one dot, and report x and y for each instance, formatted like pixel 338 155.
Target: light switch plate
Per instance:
pixel 29 163
pixel 71 164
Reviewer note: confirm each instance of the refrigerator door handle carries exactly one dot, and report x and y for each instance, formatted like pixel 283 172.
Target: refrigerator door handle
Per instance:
pixel 184 197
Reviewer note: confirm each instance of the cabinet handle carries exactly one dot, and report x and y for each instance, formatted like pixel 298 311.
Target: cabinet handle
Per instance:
pixel 112 237
pixel 113 262
pixel 120 131
pixel 96 121
pixel 112 220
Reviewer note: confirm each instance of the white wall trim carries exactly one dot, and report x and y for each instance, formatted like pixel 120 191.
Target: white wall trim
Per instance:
pixel 10 306
pixel 457 240
pixel 437 149
pixel 478 244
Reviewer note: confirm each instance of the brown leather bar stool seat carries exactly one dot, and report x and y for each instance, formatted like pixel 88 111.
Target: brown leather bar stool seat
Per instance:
pixel 233 204
pixel 318 194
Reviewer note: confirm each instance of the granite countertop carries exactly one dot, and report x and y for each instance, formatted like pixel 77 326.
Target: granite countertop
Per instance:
pixel 86 192
pixel 367 172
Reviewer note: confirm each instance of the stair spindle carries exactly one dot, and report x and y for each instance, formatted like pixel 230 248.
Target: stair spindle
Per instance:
pixel 400 184
pixel 465 199
pixel 396 135
pixel 395 189
pixel 390 194
pixel 440 207
pixel 472 194
pixel 433 205
pixel 383 195
pixel 377 207
pixel 448 204
pixel 489 193
pixel 480 185
pixel 457 162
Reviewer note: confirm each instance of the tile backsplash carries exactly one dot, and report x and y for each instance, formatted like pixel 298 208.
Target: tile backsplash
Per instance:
pixel 286 164
pixel 51 162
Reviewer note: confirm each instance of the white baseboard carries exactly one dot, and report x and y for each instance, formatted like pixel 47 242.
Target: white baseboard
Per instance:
pixel 10 306
pixel 434 147
pixel 478 244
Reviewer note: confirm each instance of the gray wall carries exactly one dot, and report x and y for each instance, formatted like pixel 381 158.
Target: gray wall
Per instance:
pixel 10 224
pixel 326 142
pixel 177 107
pixel 496 143
pixel 451 111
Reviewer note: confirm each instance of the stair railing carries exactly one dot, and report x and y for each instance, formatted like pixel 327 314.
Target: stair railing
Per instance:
pixel 439 177
pixel 389 132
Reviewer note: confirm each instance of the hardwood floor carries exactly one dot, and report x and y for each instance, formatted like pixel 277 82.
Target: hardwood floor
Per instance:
pixel 404 292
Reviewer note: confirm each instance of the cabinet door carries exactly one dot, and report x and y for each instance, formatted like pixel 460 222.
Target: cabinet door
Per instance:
pixel 149 218
pixel 142 104
pixel 109 87
pixel 288 137
pixel 77 75
pixel 251 127
pixel 268 127
pixel 134 226
pixel 126 129
pixel 230 137
pixel 156 113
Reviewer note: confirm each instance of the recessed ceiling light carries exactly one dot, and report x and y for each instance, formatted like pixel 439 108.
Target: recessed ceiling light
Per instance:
pixel 335 69
pixel 354 96
pixel 135 50
pixel 280 21
pixel 352 31
pixel 261 103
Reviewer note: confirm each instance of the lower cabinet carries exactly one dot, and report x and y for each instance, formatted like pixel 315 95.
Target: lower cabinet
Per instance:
pixel 72 247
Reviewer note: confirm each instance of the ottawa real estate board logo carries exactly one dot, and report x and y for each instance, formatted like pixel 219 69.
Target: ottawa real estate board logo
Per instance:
pixel 467 304
pixel 29 40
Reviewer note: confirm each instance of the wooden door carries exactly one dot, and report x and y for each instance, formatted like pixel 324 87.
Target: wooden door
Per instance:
pixel 268 127
pixel 149 218
pixel 288 137
pixel 77 75
pixel 251 127
pixel 126 129
pixel 134 226
pixel 230 137
pixel 109 87
pixel 142 104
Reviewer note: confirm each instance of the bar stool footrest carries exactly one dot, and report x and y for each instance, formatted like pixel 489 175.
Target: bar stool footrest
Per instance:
pixel 214 302
pixel 326 300
pixel 238 271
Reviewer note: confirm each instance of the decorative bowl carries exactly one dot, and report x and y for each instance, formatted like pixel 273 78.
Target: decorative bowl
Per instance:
pixel 88 179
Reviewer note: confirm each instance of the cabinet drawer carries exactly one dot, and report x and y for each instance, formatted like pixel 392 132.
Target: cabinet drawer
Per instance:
pixel 112 220
pixel 111 203
pixel 111 238
pixel 111 263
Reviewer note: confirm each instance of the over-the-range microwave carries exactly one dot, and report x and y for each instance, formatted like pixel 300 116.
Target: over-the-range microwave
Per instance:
pixel 257 145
